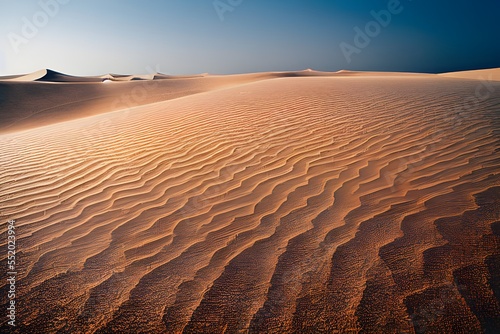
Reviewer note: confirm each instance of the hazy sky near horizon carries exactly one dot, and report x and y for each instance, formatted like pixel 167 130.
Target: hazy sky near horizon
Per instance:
pixel 90 37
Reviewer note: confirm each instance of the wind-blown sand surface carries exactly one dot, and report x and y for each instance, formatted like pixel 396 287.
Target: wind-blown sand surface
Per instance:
pixel 266 203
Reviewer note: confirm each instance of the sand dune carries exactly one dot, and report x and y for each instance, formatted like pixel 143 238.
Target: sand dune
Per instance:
pixel 47 75
pixel 52 102
pixel 284 202
pixel 488 74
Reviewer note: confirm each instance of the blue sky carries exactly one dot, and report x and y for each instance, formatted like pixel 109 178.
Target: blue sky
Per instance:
pixel 88 37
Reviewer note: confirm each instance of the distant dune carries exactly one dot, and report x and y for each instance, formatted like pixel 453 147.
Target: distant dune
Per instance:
pixel 283 202
pixel 489 74
pixel 46 75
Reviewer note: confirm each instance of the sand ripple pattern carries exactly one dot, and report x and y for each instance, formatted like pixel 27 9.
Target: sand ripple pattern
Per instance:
pixel 287 205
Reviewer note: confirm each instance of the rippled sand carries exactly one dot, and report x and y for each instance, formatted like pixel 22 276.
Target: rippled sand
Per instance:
pixel 257 203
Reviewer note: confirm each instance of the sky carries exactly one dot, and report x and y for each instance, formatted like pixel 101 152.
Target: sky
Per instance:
pixel 94 37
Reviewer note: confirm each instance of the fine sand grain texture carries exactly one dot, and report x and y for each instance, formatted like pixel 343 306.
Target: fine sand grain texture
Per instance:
pixel 295 202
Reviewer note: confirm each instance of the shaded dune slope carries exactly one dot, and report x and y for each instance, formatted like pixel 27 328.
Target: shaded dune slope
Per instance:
pixel 288 205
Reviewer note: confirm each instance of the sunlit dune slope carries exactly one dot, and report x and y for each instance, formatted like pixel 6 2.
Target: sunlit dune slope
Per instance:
pixel 284 204
pixel 492 74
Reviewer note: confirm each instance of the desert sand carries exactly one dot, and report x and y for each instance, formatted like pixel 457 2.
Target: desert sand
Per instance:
pixel 487 75
pixel 285 202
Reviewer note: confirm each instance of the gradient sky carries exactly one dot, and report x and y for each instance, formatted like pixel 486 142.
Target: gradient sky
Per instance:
pixel 90 37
